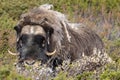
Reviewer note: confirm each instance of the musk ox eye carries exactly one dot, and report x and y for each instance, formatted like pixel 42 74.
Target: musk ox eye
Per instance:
pixel 39 39
pixel 24 38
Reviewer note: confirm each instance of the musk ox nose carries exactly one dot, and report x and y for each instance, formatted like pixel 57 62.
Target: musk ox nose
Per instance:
pixel 29 52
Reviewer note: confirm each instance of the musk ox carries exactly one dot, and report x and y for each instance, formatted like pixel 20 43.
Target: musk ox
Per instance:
pixel 46 35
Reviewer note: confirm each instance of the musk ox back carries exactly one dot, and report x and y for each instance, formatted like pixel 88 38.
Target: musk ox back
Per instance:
pixel 46 35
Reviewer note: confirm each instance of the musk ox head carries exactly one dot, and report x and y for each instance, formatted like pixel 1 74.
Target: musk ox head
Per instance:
pixel 38 32
pixel 33 43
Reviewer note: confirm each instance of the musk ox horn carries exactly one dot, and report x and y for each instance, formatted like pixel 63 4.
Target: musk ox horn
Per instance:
pixel 51 53
pixel 12 53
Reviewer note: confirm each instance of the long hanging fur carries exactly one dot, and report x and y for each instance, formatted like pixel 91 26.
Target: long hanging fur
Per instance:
pixel 73 40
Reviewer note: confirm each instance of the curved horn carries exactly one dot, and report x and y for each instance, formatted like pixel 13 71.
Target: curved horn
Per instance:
pixel 12 53
pixel 51 53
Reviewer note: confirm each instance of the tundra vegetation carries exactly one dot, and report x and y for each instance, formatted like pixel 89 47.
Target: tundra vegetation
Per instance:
pixel 103 16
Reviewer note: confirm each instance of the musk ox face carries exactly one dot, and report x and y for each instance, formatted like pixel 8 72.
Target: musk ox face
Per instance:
pixel 34 43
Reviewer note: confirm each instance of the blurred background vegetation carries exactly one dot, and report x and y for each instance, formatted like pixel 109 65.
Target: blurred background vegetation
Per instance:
pixel 103 16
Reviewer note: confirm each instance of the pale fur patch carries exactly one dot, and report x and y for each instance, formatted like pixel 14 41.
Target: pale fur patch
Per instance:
pixel 28 29
pixel 97 56
pixel 31 30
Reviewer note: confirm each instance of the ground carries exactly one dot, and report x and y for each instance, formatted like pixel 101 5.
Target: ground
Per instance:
pixel 102 16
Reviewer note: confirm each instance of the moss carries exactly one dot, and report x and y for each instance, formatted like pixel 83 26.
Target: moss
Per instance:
pixel 7 73
pixel 4 73
pixel 117 42
pixel 111 72
pixel 85 76
pixel 63 76
pixel 110 75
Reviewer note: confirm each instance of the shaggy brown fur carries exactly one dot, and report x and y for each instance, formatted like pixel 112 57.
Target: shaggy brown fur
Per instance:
pixel 69 42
